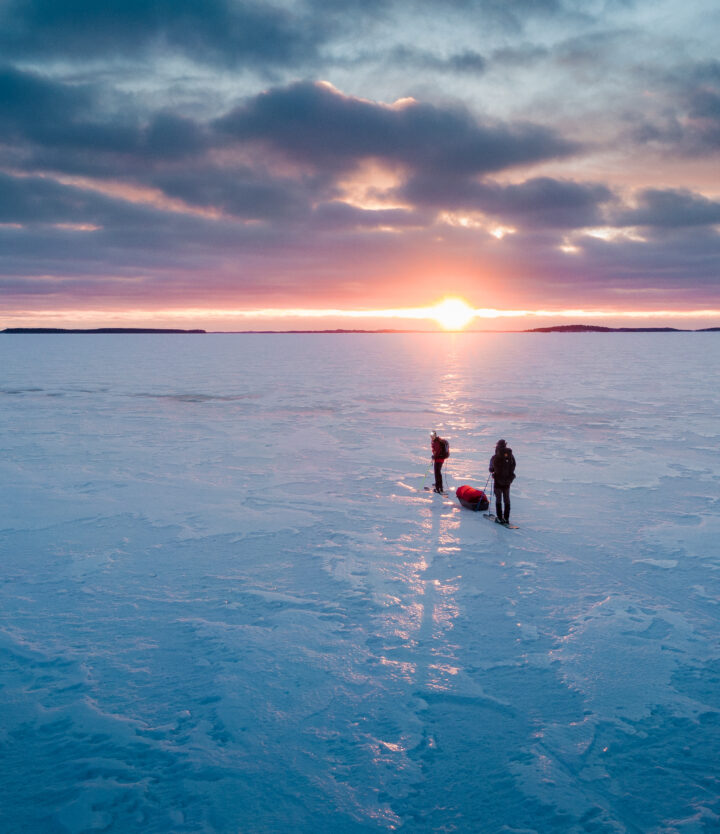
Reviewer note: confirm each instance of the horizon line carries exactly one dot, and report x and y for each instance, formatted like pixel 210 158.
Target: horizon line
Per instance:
pixel 563 328
pixel 436 312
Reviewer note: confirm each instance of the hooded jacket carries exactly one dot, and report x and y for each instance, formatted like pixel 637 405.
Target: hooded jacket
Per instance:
pixel 438 448
pixel 502 465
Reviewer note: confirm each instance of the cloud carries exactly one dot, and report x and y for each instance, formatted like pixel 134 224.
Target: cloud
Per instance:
pixel 239 191
pixel 337 253
pixel 520 55
pixel 189 182
pixel 510 16
pixel 31 105
pixel 62 127
pixel 408 57
pixel 337 215
pixel 35 200
pixel 683 265
pixel 214 32
pixel 316 124
pixel 60 231
pixel 66 127
pixel 704 113
pixel 670 209
pixel 52 125
pixel 541 202
pixel 687 120
pixel 171 136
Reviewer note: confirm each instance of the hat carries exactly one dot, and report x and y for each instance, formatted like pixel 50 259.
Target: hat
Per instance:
pixel 501 443
pixel 433 434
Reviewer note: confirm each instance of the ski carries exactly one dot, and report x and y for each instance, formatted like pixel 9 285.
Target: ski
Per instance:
pixel 430 489
pixel 494 518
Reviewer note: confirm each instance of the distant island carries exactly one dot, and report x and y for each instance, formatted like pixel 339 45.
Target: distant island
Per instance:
pixel 593 328
pixel 96 330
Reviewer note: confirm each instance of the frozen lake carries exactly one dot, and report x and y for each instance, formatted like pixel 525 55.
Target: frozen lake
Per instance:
pixel 227 605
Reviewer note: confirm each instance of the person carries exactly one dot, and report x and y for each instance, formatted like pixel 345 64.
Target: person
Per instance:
pixel 502 468
pixel 440 453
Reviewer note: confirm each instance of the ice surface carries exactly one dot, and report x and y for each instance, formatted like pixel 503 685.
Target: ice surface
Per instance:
pixel 228 606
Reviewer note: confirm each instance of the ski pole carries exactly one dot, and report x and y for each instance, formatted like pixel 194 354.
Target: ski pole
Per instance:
pixel 422 486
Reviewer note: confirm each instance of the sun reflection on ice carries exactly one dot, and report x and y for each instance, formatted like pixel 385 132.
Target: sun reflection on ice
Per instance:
pixel 404 669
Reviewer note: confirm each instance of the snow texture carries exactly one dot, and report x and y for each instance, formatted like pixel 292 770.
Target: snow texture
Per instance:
pixel 227 605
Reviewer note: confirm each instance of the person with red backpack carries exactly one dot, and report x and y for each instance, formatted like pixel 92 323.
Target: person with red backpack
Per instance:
pixel 502 468
pixel 440 453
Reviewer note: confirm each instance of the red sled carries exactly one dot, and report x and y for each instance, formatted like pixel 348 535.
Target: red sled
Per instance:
pixel 471 498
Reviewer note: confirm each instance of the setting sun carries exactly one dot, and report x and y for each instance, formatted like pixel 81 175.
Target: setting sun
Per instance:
pixel 453 314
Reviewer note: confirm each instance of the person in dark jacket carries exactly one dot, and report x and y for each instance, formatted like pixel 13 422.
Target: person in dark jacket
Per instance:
pixel 502 468
pixel 439 456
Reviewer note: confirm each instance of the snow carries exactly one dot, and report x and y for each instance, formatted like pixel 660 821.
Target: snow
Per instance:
pixel 227 605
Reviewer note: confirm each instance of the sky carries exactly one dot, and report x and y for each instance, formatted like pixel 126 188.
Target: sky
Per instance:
pixel 329 163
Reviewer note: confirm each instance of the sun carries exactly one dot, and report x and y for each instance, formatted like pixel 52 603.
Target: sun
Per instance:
pixel 453 313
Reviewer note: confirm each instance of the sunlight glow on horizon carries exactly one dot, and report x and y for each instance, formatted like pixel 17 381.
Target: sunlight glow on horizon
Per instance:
pixel 451 314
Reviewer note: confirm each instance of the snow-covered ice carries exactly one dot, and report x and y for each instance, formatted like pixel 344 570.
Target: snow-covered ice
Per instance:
pixel 227 606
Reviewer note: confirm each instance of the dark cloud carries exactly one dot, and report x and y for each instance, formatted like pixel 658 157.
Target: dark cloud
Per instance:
pixel 684 263
pixel 220 32
pixel 31 105
pixel 239 192
pixel 171 136
pixel 523 55
pixel 508 15
pixel 444 148
pixel 687 121
pixel 38 200
pixel 542 202
pixel 707 72
pixel 705 104
pixel 64 127
pixel 410 57
pixel 586 53
pixel 704 112
pixel 51 229
pixel 548 203
pixel 316 124
pixel 670 209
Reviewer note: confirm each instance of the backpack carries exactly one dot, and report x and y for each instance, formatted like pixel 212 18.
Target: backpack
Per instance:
pixel 444 448
pixel 504 468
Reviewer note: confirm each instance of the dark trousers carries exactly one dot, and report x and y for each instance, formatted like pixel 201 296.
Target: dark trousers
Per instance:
pixel 502 494
pixel 438 474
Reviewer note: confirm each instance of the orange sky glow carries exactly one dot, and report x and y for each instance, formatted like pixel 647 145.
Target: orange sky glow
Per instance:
pixel 450 313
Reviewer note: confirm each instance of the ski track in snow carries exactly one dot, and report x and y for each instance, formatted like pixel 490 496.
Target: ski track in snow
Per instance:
pixel 228 605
